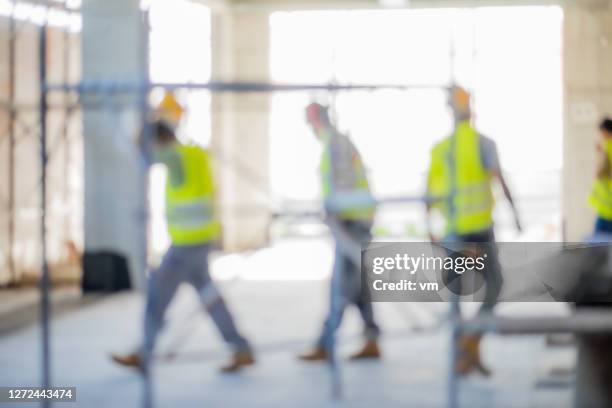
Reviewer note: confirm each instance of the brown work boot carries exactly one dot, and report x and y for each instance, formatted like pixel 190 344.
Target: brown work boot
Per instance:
pixel 129 360
pixel 239 359
pixel 469 357
pixel 318 354
pixel 369 350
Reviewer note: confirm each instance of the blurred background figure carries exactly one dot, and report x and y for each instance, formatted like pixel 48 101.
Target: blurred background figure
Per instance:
pixel 192 226
pixel 463 168
pixel 343 172
pixel 601 194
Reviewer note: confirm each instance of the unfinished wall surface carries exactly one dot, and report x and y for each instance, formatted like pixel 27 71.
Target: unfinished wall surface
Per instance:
pixel 588 96
pixel 20 187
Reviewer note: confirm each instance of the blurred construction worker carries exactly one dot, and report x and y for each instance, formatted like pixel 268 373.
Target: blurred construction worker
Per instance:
pixel 342 171
pixel 463 168
pixel 601 194
pixel 193 227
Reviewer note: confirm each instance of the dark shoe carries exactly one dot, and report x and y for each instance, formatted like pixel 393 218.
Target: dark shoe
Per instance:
pixel 318 354
pixel 129 360
pixel 370 350
pixel 239 359
pixel 484 371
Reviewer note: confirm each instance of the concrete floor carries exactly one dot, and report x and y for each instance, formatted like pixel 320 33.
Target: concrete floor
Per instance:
pixel 281 318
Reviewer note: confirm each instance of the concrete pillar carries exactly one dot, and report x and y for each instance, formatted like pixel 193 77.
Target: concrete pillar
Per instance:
pixel 587 77
pixel 113 49
pixel 594 372
pixel 240 134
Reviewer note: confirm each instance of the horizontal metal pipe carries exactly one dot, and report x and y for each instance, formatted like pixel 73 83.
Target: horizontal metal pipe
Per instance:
pixel 114 87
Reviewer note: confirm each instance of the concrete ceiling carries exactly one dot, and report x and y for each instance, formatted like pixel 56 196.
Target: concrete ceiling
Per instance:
pixel 369 4
pixel 271 5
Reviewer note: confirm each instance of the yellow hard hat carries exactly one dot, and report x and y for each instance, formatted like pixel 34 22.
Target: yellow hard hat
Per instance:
pixel 169 109
pixel 460 98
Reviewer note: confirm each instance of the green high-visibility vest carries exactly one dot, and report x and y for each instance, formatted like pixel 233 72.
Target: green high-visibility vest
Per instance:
pixel 189 197
pixel 342 171
pixel 463 186
pixel 601 193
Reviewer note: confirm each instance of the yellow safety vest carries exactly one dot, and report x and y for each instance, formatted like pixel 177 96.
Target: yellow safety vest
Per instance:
pixel 601 193
pixel 467 201
pixel 342 171
pixel 189 205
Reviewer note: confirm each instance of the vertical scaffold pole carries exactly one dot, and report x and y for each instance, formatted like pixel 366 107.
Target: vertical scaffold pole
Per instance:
pixel 331 341
pixel 453 380
pixel 455 307
pixel 148 397
pixel 11 161
pixel 45 280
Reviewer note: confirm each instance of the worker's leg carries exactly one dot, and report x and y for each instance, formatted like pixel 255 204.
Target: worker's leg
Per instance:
pixel 371 329
pixel 162 285
pixel 199 277
pixel 469 345
pixel 338 297
pixel 337 303
pixel 493 273
pixel 360 298
pixel 484 242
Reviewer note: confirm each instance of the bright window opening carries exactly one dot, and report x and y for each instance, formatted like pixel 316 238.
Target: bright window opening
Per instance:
pixel 510 57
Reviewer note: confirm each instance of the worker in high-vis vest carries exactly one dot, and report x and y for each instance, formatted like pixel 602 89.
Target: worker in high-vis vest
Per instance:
pixel 192 226
pixel 459 186
pixel 342 172
pixel 601 193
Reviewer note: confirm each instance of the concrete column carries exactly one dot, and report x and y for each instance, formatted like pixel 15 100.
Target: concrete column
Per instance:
pixel 113 49
pixel 587 61
pixel 240 125
pixel 594 372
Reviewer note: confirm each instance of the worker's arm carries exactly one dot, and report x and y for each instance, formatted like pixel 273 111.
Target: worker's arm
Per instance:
pixel 492 163
pixel 497 173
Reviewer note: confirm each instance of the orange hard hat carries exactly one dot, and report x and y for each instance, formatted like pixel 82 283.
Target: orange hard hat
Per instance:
pixel 460 98
pixel 169 109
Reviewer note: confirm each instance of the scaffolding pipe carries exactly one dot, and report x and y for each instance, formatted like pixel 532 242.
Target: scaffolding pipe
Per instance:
pixel 65 130
pixel 113 87
pixel 45 281
pixel 455 307
pixel 11 158
pixel 146 140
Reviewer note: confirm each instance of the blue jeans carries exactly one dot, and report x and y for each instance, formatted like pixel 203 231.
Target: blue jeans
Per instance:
pixel 346 286
pixel 603 226
pixel 186 264
pixel 492 274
